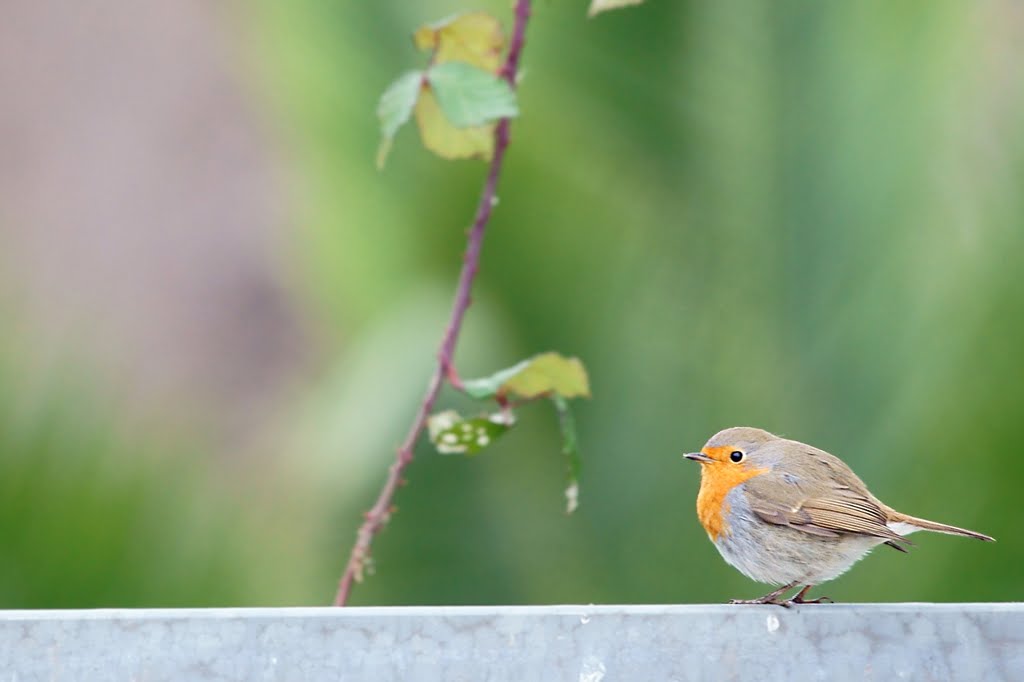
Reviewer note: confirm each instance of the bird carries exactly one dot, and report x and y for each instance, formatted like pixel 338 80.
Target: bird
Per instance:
pixel 789 514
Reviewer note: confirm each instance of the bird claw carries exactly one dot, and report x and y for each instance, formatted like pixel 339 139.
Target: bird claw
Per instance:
pixel 776 597
pixel 785 604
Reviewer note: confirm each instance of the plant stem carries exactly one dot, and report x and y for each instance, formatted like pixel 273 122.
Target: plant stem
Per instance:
pixel 378 516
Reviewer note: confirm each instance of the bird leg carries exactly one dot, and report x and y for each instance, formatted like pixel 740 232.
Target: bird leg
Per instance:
pixel 770 598
pixel 799 598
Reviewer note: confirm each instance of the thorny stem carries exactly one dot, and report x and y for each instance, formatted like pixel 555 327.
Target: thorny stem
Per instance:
pixel 377 517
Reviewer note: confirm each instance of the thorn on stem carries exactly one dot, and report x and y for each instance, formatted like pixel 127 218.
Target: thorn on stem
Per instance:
pixel 451 374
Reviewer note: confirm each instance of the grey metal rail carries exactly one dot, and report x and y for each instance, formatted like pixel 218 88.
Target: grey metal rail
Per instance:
pixel 520 644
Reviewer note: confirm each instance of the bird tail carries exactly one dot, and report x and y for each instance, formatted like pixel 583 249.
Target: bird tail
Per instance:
pixel 925 524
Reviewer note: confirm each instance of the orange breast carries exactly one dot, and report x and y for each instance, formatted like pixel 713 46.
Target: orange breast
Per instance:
pixel 716 480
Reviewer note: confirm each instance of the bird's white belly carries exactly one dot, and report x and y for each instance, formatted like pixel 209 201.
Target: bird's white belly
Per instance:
pixel 778 555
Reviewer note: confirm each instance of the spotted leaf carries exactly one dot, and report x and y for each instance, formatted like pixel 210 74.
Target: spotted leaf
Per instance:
pixel 453 434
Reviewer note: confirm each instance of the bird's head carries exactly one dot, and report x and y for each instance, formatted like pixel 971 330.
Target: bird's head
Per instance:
pixel 739 447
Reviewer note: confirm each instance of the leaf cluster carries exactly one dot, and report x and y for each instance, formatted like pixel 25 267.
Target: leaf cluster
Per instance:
pixel 546 376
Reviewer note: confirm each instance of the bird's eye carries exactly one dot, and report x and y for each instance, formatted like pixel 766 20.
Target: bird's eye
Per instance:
pixel 736 456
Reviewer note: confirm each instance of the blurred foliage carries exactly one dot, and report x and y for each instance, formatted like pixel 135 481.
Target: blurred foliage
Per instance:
pixel 89 517
pixel 799 216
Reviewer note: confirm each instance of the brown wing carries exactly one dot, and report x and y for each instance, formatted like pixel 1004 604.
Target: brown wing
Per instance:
pixel 827 510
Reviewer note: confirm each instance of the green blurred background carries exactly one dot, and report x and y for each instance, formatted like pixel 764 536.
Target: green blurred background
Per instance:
pixel 801 216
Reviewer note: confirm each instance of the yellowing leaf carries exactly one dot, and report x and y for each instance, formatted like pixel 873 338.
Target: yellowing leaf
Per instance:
pixel 550 373
pixel 598 6
pixel 444 139
pixel 544 374
pixel 474 37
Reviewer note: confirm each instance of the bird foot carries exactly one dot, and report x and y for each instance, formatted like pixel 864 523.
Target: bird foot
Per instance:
pixel 762 600
pixel 776 597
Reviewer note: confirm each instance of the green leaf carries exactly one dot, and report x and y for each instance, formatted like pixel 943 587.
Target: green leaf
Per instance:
pixel 488 387
pixel 570 448
pixel 395 109
pixel 598 6
pixel 541 375
pixel 470 96
pixel 453 434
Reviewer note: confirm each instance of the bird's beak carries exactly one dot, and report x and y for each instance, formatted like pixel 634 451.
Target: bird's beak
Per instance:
pixel 698 457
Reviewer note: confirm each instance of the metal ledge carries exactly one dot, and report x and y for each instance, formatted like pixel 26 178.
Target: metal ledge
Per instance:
pixel 520 644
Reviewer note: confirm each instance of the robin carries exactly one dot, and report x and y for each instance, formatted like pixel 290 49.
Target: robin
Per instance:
pixel 789 514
